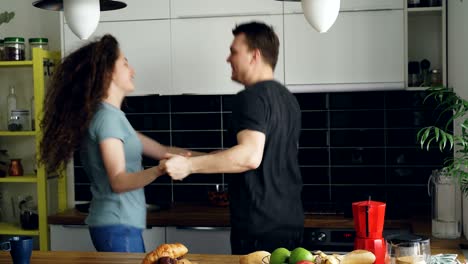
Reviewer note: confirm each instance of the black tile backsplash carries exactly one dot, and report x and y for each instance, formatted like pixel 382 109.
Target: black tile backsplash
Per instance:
pixel 352 146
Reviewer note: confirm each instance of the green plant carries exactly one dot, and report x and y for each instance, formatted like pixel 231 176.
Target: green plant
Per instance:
pixel 6 17
pixel 450 136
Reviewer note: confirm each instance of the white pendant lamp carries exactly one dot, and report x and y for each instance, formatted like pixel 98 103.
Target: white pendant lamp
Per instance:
pixel 82 16
pixel 321 14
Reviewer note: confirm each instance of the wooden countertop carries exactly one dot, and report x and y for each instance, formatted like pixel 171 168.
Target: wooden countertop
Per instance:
pixel 206 215
pixel 72 257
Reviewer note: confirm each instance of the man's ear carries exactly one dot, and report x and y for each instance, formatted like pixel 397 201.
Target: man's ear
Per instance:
pixel 256 55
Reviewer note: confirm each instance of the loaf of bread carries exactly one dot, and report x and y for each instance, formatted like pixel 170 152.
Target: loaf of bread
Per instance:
pixel 173 251
pixel 254 257
pixel 358 256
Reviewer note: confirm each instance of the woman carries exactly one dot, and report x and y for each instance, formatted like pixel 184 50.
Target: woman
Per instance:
pixel 82 111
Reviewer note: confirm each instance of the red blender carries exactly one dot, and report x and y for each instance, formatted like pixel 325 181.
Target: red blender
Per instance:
pixel 368 222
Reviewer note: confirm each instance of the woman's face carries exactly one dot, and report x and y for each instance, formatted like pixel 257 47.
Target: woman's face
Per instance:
pixel 123 75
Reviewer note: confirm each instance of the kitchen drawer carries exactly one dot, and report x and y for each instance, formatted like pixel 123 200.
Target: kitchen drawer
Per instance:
pixel 201 240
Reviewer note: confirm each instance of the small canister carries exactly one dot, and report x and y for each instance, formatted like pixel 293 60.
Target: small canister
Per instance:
pixel 2 49
pixel 436 78
pixel 42 43
pixel 19 120
pixel 14 49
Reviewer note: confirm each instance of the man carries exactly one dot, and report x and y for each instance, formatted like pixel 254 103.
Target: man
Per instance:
pixel 265 198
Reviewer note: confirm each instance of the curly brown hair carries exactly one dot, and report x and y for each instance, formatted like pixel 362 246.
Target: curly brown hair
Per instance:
pixel 77 87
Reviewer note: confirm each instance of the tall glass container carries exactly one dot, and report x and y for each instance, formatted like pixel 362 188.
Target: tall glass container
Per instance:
pixel 446 205
pixel 11 103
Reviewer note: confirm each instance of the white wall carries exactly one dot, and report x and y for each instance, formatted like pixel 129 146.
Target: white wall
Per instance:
pixel 457 43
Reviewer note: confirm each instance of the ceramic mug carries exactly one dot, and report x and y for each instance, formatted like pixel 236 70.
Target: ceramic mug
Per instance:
pixel 20 248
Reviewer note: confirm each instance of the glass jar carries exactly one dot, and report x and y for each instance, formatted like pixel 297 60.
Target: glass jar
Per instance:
pixel 19 120
pixel 436 78
pixel 42 43
pixel 2 49
pixel 446 205
pixel 14 49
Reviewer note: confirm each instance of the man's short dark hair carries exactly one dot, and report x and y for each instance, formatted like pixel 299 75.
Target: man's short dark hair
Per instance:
pixel 260 36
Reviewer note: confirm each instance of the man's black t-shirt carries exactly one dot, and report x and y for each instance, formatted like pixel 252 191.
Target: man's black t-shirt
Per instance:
pixel 268 199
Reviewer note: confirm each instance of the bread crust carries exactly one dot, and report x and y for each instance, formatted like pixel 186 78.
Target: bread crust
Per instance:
pixel 176 250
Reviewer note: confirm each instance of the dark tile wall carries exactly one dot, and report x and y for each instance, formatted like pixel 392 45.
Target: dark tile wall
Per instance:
pixel 353 146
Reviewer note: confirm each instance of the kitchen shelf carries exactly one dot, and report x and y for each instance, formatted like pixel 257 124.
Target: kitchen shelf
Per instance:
pixel 426 39
pixel 41 60
pixel 15 229
pixel 16 63
pixel 24 178
pixel 17 133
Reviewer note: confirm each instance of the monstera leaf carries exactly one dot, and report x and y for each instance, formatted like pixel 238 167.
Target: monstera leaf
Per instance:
pixel 5 17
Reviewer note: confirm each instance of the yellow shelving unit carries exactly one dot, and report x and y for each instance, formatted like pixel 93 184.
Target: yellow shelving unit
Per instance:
pixel 40 179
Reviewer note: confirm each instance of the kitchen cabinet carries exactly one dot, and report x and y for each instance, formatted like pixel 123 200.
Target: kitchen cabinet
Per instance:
pixel 60 238
pixel 426 39
pixel 146 45
pixel 361 48
pixel 139 10
pixel 201 240
pixel 352 5
pixel 209 8
pixel 25 145
pixel 200 66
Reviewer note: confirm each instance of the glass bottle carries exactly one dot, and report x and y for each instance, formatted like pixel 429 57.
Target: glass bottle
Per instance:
pixel 2 49
pixel 11 103
pixel 33 115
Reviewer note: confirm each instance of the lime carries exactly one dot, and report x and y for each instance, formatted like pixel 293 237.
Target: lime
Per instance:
pixel 279 256
pixel 299 254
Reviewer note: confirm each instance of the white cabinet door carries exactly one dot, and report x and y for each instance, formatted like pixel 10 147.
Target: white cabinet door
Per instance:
pixel 362 47
pixel 153 237
pixel 146 45
pixel 350 5
pixel 201 240
pixel 70 238
pixel 206 8
pixel 200 47
pixel 139 10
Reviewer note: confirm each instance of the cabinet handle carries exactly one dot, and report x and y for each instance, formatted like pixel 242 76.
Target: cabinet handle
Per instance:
pixel 203 228
pixel 293 12
pixel 75 226
pixel 227 15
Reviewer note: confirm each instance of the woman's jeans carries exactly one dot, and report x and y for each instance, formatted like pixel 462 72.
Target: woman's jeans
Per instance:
pixel 117 238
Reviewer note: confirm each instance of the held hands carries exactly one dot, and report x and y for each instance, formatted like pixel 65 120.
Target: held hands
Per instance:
pixel 177 166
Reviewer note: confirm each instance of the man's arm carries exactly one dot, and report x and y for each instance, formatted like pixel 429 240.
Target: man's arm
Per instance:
pixel 246 155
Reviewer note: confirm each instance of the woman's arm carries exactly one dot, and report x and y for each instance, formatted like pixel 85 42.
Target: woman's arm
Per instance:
pixel 158 151
pixel 113 157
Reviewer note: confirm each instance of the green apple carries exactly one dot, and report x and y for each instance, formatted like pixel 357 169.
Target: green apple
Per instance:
pixel 280 256
pixel 299 254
